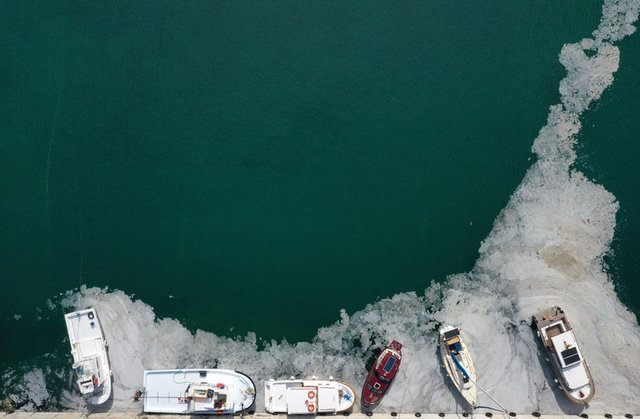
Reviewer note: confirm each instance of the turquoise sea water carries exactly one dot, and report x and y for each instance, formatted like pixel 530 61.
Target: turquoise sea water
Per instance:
pixel 257 167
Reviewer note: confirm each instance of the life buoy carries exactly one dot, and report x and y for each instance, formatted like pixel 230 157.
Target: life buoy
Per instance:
pixel 95 381
pixel 311 394
pixel 90 315
pixel 311 407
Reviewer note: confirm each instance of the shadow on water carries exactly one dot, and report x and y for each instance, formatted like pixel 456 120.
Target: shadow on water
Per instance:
pixel 567 407
pixel 460 401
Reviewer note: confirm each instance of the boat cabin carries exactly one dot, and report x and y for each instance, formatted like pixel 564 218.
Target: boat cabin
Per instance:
pixel 569 358
pixel 304 399
pixel 566 347
pixel 452 340
pixel 88 375
pixel 205 397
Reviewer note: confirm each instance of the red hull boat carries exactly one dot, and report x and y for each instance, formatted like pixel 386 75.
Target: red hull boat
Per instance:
pixel 381 375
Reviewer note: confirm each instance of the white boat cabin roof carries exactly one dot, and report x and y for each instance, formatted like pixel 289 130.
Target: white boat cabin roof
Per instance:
pixel 298 398
pixel 323 399
pixel 570 359
pixel 566 347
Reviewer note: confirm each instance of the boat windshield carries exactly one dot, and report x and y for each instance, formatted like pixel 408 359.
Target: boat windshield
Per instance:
pixel 203 392
pixel 382 378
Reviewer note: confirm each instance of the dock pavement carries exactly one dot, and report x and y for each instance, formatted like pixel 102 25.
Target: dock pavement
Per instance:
pixel 393 415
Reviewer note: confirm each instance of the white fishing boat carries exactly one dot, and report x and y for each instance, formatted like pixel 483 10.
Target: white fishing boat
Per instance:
pixel 566 357
pixel 198 391
pixel 457 361
pixel 307 397
pixel 90 358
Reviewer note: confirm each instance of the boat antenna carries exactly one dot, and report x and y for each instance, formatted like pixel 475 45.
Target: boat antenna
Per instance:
pixel 489 395
pixel 466 375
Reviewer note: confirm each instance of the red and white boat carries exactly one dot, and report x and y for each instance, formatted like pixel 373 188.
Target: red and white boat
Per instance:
pixel 381 375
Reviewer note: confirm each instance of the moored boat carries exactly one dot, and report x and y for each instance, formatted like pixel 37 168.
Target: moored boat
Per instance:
pixel 90 357
pixel 563 351
pixel 381 375
pixel 307 397
pixel 198 391
pixel 457 361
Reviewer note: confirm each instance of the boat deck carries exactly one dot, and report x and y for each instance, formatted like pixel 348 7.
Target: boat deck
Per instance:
pixel 554 330
pixel 83 328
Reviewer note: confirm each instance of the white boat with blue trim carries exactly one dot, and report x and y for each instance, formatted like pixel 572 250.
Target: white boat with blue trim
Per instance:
pixel 198 392
pixel 457 361
pixel 308 397
pixel 90 357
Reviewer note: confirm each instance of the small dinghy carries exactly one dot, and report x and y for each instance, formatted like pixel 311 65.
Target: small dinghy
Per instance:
pixel 457 361
pixel 566 358
pixel 307 397
pixel 198 391
pixel 381 375
pixel 90 358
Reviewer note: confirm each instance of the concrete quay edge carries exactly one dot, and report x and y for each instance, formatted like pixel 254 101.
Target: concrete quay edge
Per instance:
pixel 127 415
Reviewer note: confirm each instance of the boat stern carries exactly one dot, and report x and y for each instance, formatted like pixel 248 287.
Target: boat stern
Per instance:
pixel 346 397
pixel 582 395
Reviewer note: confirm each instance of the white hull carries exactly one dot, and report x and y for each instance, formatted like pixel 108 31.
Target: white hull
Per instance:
pixel 90 359
pixel 197 391
pixel 308 397
pixel 465 385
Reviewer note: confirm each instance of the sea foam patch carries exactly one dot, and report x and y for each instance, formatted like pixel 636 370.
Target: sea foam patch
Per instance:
pixel 547 245
pixel 546 248
pixel 139 341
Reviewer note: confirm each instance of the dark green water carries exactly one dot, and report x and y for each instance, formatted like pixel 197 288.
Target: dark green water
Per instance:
pixel 609 153
pixel 247 158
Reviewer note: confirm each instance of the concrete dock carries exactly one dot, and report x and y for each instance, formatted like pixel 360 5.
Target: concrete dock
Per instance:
pixel 532 415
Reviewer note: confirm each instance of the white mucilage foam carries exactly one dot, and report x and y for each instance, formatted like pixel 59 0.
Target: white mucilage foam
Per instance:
pixel 546 248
